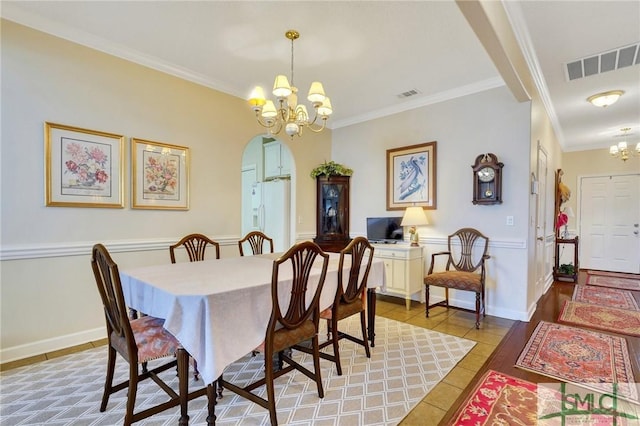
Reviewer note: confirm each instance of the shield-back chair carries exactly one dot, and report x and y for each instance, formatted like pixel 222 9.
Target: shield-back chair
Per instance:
pixel 139 341
pixel 256 241
pixel 465 268
pixel 290 324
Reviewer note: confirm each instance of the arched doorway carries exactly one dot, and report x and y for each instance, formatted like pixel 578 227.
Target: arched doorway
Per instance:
pixel 268 190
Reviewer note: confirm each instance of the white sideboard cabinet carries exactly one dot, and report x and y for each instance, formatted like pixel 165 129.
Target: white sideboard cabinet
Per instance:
pixel 404 269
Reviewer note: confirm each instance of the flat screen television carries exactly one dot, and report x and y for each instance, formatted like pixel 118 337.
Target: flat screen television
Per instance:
pixel 384 229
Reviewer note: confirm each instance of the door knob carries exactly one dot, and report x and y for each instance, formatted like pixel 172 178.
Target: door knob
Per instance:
pixel 540 239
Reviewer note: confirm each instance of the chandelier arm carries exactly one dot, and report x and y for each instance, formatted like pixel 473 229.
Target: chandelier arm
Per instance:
pixel 318 130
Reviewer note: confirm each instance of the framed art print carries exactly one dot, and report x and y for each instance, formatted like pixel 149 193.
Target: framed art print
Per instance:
pixel 411 176
pixel 83 168
pixel 160 175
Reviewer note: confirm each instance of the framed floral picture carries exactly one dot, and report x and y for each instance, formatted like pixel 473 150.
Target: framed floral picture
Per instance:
pixel 83 168
pixel 160 175
pixel 411 176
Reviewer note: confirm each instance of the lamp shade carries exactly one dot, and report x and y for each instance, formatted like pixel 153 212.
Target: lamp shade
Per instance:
pixel 414 216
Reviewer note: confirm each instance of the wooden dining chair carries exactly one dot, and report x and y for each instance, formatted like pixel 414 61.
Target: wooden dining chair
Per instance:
pixel 256 241
pixel 465 268
pixel 349 298
pixel 291 324
pixel 195 245
pixel 139 341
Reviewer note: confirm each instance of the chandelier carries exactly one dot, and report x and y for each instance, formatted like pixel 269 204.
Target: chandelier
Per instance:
pixel 621 149
pixel 290 115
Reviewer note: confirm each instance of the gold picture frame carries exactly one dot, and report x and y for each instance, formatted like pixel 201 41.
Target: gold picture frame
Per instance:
pixel 160 175
pixel 411 176
pixel 83 168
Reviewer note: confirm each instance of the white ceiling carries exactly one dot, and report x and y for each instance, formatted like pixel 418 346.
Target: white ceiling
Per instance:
pixel 365 53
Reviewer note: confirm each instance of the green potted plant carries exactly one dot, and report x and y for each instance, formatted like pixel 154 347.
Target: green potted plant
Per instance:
pixel 567 269
pixel 331 169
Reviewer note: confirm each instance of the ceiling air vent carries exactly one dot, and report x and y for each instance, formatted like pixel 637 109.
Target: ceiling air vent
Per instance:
pixel 603 62
pixel 408 93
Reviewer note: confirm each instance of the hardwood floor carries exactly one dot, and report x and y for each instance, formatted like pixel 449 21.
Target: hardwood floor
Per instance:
pixel 504 357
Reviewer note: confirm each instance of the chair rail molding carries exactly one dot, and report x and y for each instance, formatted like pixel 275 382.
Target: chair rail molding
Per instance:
pixel 83 248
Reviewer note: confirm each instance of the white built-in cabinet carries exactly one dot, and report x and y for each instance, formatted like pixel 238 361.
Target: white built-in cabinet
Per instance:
pixel 277 161
pixel 404 269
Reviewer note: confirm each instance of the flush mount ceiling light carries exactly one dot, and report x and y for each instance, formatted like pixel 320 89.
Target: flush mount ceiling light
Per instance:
pixel 605 99
pixel 289 115
pixel 621 149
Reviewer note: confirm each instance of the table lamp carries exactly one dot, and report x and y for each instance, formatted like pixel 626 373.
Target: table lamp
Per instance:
pixel 414 216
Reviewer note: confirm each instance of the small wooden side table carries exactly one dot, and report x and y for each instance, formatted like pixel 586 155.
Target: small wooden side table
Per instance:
pixel 560 276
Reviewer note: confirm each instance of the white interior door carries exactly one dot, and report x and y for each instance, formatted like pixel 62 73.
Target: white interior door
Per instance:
pixel 542 247
pixel 609 223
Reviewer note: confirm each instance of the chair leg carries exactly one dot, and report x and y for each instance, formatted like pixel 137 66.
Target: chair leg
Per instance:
pixel 108 382
pixel 477 311
pixel 271 394
pixel 316 366
pixel 365 338
pixel 131 393
pixel 183 385
pixel 336 350
pixel 426 289
pixel 484 307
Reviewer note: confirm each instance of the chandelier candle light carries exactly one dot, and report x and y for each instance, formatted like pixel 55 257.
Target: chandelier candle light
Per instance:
pixel 414 216
pixel 621 149
pixel 289 114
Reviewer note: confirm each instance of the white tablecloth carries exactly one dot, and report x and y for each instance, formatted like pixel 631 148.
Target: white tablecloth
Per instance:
pixel 219 309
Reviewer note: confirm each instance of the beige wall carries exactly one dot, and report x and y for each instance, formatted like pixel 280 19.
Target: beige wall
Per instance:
pixel 48 296
pixel 489 121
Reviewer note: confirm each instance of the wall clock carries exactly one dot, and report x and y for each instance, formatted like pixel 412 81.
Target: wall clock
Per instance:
pixel 487 179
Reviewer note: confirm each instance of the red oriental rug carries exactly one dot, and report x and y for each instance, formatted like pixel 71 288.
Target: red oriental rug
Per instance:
pixel 614 274
pixel 604 296
pixel 605 318
pixel 500 399
pixel 613 282
pixel 584 357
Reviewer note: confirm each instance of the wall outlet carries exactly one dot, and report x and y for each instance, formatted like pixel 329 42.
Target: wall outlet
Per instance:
pixel 509 220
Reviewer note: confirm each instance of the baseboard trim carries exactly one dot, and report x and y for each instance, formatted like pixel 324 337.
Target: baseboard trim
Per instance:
pixel 49 345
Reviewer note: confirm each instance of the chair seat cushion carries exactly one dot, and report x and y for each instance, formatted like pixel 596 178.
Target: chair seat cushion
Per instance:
pixel 344 310
pixel 458 280
pixel 152 340
pixel 285 338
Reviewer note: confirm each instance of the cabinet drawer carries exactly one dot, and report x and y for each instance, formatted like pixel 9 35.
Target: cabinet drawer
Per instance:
pixel 391 254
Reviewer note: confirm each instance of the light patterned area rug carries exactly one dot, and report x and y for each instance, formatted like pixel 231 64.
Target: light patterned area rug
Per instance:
pixel 406 363
pixel 604 318
pixel 614 282
pixel 584 357
pixel 604 296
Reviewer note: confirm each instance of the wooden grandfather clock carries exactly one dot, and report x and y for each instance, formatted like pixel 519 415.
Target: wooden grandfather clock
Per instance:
pixel 487 180
pixel 332 212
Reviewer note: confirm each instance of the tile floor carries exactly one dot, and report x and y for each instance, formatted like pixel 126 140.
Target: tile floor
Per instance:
pixel 457 323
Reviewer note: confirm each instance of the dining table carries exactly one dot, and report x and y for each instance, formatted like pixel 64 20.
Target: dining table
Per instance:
pixel 219 309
